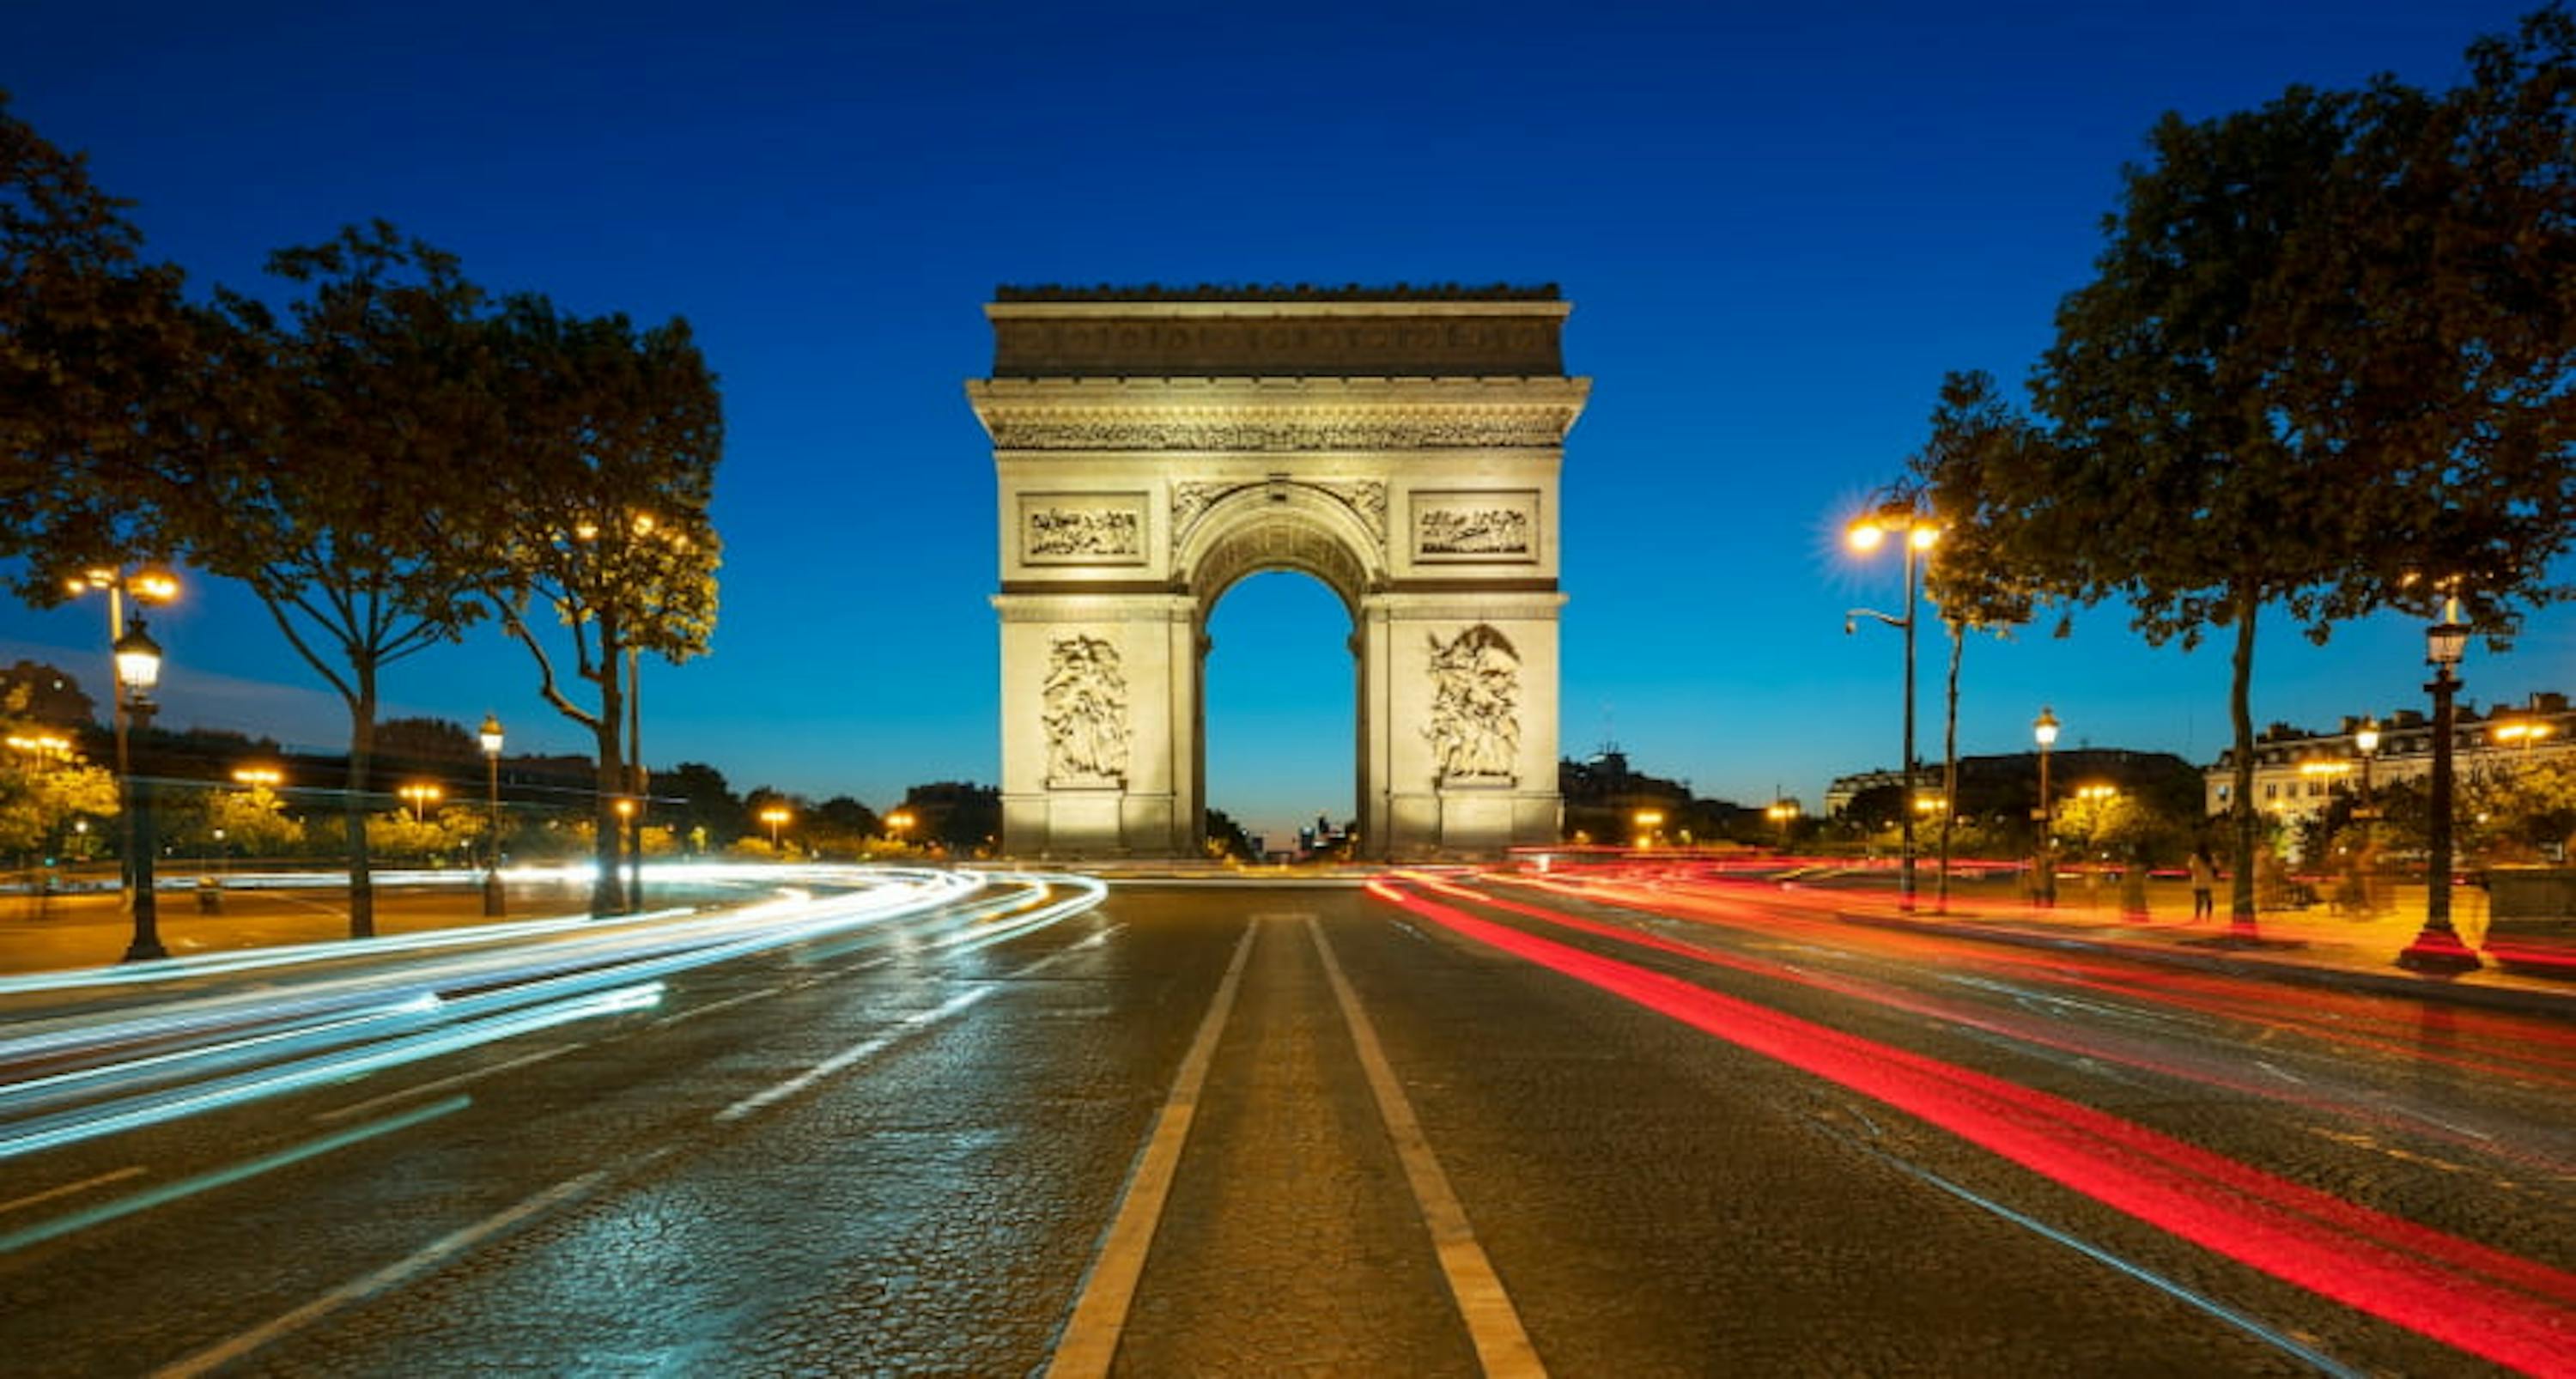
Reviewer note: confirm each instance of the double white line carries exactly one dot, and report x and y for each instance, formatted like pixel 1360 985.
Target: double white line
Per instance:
pixel 1090 1340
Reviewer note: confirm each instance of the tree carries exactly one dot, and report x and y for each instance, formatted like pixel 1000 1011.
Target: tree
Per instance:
pixel 339 494
pixel 44 781
pixel 614 439
pixel 1226 838
pixel 100 374
pixel 54 698
pixel 254 821
pixel 709 809
pixel 1976 437
pixel 2301 377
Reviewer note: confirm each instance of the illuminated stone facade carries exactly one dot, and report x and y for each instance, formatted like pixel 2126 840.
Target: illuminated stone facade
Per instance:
pixel 1154 448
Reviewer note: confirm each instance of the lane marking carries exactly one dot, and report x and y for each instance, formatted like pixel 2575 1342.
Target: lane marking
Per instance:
pixel 712 1007
pixel 68 1189
pixel 149 1198
pixel 1502 1346
pixel 907 1026
pixel 444 1083
pixel 1090 1339
pixel 415 1263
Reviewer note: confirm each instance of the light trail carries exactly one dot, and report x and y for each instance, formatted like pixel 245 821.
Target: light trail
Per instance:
pixel 2489 1303
pixel 369 1008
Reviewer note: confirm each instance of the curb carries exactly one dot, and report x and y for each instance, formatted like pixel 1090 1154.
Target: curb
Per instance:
pixel 2521 1000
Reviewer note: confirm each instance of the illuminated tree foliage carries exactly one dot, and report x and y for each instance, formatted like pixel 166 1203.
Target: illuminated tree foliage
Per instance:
pixel 615 435
pixel 99 373
pixel 44 781
pixel 2323 366
pixel 339 490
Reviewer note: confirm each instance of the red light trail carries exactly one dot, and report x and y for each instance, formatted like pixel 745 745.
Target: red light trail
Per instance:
pixel 2491 1304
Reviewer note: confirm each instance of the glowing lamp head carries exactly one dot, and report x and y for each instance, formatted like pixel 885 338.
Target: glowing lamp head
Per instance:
pixel 1865 535
pixel 2044 728
pixel 490 736
pixel 2367 739
pixel 1924 537
pixel 138 660
pixel 158 586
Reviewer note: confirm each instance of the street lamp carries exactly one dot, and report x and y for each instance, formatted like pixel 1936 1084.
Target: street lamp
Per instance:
pixel 2366 742
pixel 1916 534
pixel 776 818
pixel 899 823
pixel 1783 813
pixel 1648 822
pixel 138 669
pixel 2437 947
pixel 2043 729
pixel 420 794
pixel 490 737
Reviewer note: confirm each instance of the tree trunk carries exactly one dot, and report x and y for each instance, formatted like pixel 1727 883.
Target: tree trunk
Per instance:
pixel 608 829
pixel 362 750
pixel 1949 766
pixel 2240 715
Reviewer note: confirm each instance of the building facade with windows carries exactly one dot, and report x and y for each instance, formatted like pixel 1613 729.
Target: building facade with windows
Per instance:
pixel 2299 774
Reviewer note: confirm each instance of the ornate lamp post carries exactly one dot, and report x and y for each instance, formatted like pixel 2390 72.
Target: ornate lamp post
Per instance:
pixel 2366 742
pixel 2043 730
pixel 138 669
pixel 2437 948
pixel 490 737
pixel 1916 534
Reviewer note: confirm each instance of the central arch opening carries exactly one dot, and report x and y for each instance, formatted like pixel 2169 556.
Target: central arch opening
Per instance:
pixel 1281 701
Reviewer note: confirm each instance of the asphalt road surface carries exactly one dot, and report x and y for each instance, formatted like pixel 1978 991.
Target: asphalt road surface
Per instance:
pixel 1615 1127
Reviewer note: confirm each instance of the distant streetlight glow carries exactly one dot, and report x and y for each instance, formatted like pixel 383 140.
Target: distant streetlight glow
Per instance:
pixel 776 818
pixel 420 794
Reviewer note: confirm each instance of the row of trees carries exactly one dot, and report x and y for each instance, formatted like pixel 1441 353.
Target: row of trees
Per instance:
pixel 2323 368
pixel 383 451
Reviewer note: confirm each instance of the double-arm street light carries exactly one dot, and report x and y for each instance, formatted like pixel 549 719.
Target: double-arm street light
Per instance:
pixel 490 737
pixel 1915 533
pixel 420 794
pixel 2437 948
pixel 777 819
pixel 1783 813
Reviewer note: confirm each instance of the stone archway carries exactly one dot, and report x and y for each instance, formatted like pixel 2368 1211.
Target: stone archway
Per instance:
pixel 1155 448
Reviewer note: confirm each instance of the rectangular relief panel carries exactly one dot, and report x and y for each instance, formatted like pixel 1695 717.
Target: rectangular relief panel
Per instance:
pixel 1476 528
pixel 1083 529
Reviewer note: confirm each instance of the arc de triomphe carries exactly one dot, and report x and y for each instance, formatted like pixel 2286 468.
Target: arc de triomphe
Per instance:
pixel 1156 446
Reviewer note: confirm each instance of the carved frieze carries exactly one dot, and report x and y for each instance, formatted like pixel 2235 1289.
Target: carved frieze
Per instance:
pixel 1516 341
pixel 1082 528
pixel 1475 728
pixel 1280 428
pixel 1500 528
pixel 1084 707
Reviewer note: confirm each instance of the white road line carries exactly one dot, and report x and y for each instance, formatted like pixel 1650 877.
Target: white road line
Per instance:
pixel 68 1189
pixel 712 1007
pixel 870 1048
pixel 418 1262
pixel 855 1054
pixel 1090 1338
pixel 459 1080
pixel 1502 1347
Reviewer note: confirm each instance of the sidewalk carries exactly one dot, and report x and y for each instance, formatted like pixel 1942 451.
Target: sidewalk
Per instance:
pixel 2314 946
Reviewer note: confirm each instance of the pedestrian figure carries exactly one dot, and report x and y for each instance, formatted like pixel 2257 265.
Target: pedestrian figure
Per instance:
pixel 2204 880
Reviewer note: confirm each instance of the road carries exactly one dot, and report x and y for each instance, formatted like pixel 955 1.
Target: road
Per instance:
pixel 1609 1126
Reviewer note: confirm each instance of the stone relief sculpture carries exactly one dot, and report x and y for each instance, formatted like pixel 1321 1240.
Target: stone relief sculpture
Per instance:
pixel 1475 531
pixel 1085 712
pixel 1084 531
pixel 1475 731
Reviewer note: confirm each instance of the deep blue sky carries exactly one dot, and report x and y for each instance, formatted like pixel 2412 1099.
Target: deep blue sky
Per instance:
pixel 1779 225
